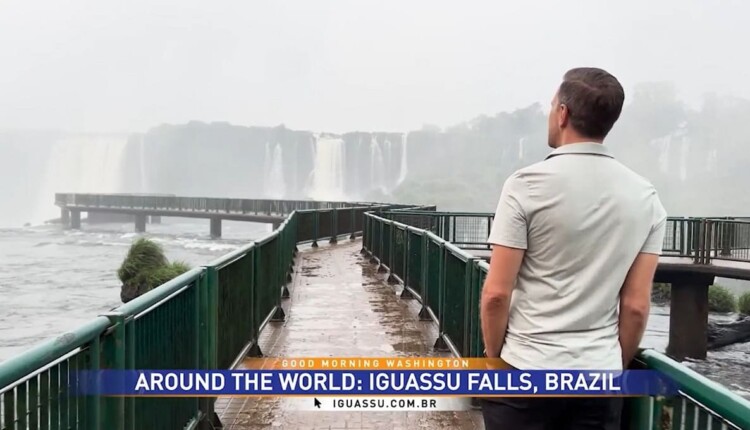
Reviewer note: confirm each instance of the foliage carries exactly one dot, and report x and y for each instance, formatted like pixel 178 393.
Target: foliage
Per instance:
pixel 144 256
pixel 661 293
pixel 744 303
pixel 146 267
pixel 721 299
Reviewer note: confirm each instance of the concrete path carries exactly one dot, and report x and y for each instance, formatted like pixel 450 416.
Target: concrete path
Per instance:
pixel 340 306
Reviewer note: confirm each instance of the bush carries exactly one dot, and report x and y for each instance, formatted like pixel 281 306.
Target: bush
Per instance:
pixel 744 304
pixel 145 268
pixel 661 293
pixel 721 299
pixel 143 257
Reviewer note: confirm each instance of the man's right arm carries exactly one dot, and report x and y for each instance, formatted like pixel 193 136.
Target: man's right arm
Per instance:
pixel 635 304
pixel 635 295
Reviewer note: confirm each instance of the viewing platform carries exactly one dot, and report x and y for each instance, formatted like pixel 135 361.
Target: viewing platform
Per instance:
pixel 340 306
pixel 152 207
pixel 409 287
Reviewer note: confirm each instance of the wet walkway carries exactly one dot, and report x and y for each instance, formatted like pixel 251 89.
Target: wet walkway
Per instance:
pixel 340 306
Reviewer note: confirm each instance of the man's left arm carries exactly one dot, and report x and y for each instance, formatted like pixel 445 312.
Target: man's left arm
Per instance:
pixel 509 238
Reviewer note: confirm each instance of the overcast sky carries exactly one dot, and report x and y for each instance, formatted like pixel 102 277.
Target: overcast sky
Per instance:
pixel 96 65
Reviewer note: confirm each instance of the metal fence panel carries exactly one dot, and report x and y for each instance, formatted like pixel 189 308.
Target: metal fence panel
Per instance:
pixel 399 252
pixel 235 320
pixel 414 270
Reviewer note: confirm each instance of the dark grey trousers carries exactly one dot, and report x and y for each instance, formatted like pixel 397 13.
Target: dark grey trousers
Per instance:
pixel 540 413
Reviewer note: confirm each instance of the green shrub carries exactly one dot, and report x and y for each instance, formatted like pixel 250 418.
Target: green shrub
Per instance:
pixel 721 299
pixel 144 256
pixel 661 293
pixel 744 303
pixel 145 268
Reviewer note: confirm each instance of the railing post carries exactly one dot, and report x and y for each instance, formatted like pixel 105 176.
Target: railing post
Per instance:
pixel 684 248
pixel 406 292
pixel 468 284
pixel 254 312
pixel 726 238
pixel 424 313
pixel 334 226
pixel 708 243
pixel 199 345
pixel 277 281
pixel 698 238
pixel 212 283
pixel 353 224
pixel 93 418
pixel 440 344
pixel 366 235
pixel 392 256
pixel 392 239
pixel 374 258
pixel 315 229
pixel 115 357
pixel 130 365
pixel 446 227
pixel 204 357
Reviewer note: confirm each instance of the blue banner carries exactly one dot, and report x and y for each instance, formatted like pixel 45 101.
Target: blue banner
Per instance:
pixel 477 383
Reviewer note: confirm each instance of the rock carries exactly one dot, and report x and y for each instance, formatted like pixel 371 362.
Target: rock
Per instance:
pixel 723 334
pixel 130 291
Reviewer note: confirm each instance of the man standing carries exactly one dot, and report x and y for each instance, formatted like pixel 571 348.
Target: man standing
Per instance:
pixel 576 240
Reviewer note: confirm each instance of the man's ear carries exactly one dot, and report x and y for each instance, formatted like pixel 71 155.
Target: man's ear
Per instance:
pixel 563 116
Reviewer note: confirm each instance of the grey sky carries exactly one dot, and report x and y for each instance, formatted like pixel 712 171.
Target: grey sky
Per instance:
pixel 93 65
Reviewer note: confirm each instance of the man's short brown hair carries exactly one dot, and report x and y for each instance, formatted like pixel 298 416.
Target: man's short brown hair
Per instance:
pixel 594 99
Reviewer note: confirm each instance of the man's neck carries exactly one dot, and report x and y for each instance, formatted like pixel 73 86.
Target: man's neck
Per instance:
pixel 578 139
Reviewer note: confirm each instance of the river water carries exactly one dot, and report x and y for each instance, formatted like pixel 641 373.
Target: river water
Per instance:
pixel 53 280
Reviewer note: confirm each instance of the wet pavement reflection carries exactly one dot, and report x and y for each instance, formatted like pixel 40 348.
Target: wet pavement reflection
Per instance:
pixel 341 307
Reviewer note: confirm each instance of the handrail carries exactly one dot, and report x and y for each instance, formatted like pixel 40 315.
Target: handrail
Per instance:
pixel 150 298
pixel 707 392
pixel 202 319
pixel 49 351
pixel 427 270
pixel 703 239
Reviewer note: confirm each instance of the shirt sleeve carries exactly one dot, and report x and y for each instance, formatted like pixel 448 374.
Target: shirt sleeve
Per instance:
pixel 655 240
pixel 509 228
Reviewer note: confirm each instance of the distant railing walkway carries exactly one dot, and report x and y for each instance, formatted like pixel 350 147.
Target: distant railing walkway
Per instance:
pixel 137 202
pixel 214 209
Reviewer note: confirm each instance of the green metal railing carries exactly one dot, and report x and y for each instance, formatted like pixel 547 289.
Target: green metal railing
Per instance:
pixel 161 329
pixel 207 318
pixel 465 229
pixel 702 239
pixel 448 280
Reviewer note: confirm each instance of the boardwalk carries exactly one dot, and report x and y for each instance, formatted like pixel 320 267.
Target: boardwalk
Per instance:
pixel 339 306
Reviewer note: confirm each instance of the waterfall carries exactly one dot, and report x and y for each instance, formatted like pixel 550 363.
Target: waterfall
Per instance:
pixel 328 170
pixel 663 144
pixel 711 163
pixel 84 163
pixel 684 151
pixel 377 166
pixel 521 142
pixel 143 186
pixel 388 165
pixel 274 173
pixel 403 169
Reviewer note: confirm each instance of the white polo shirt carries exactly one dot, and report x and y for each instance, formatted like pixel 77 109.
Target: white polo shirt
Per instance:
pixel 582 218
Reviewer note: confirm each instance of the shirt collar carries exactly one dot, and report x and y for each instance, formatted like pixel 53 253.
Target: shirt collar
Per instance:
pixel 592 148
